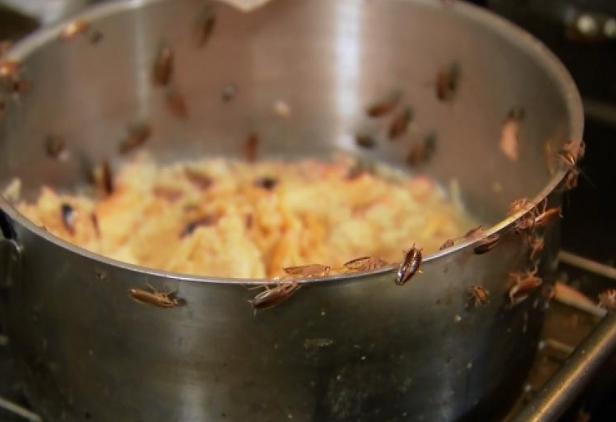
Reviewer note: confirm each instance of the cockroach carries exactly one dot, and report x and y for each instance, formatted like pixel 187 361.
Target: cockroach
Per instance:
pixel 229 92
pixel 448 244
pixel 205 26
pixel 536 244
pixel 68 217
pixel 201 181
pixel 447 82
pixel 607 299
pixel 163 66
pixel 522 284
pixel 267 183
pixel 74 29
pixel 153 297
pixel 106 178
pixel 474 232
pixel 365 141
pixel 10 69
pixel 208 220
pixel 478 295
pixel 167 193
pixel 422 152
pixel 96 37
pixel 510 131
pixel 409 266
pixel 365 263
pixel 55 146
pixel 138 135
pixel 271 297
pixel 250 147
pixel 384 106
pixel 519 205
pixel 400 123
pixel 176 104
pixel 95 224
pixel 308 271
pixel 487 244
pixel 572 152
pixel 547 216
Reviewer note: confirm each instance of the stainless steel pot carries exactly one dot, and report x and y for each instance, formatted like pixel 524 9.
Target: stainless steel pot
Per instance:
pixel 344 348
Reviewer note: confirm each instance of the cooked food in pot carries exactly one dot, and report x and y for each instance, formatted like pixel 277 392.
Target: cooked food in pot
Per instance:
pixel 225 218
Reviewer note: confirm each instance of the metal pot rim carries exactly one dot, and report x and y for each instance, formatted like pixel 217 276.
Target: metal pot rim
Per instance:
pixel 499 25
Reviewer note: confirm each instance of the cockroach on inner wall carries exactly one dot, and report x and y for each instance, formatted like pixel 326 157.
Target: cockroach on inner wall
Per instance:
pixel 447 82
pixel 421 153
pixel 250 147
pixel 176 104
pixel 385 106
pixel 153 297
pixel 271 297
pixel 365 263
pixel 206 22
pixel 138 134
pixel 365 141
pixel 308 271
pixel 162 71
pixel 409 266
pixel 399 125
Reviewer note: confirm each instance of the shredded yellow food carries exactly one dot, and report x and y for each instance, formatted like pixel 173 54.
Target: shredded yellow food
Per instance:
pixel 217 217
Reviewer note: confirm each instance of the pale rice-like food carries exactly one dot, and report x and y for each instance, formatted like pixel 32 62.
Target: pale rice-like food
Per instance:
pixel 220 218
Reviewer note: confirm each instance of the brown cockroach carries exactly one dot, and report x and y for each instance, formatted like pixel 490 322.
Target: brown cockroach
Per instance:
pixel 447 82
pixel 55 146
pixel 95 224
pixel 400 123
pixel 267 183
pixel 138 134
pixel 206 23
pixel 271 297
pixel 365 141
pixel 447 244
pixel 572 152
pixel 201 181
pixel 522 284
pixel 229 92
pixel 250 147
pixel 510 134
pixel 208 220
pixel 384 106
pixel 519 205
pixel 474 232
pixel 308 271
pixel 607 299
pixel 163 66
pixel 153 297
pixel 365 263
pixel 421 153
pixel 478 295
pixel 536 244
pixel 73 29
pixel 68 217
pixel 487 244
pixel 106 178
pixel 176 104
pixel 409 266
pixel 547 216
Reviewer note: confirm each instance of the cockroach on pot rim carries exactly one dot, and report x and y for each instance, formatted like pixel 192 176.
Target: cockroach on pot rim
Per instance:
pixel 156 298
pixel 447 82
pixel 487 244
pixel 400 123
pixel 271 297
pixel 607 299
pixel 365 263
pixel 478 295
pixel 447 244
pixel 308 271
pixel 547 216
pixel 572 152
pixel 73 29
pixel 68 217
pixel 409 266
pixel 522 285
pixel 385 106
pixel 162 70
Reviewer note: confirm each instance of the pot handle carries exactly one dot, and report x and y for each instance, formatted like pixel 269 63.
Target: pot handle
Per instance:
pixel 563 388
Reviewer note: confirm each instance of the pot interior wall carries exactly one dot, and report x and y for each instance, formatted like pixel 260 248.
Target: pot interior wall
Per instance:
pixel 327 60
